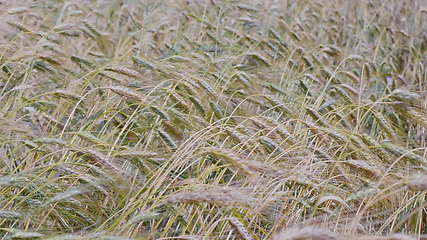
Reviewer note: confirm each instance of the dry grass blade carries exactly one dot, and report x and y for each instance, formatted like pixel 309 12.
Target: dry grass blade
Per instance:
pixel 419 183
pixel 128 93
pixel 365 166
pixel 67 94
pixel 249 167
pixel 10 214
pixel 308 233
pixel 67 194
pixel 217 195
pixel 101 158
pixel 126 71
pixel 240 228
pixel 20 234
pixel 405 153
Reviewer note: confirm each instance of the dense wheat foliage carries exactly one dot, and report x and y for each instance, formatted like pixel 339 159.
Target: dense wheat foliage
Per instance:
pixel 233 119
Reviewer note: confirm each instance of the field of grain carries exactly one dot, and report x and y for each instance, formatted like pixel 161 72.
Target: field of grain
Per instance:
pixel 213 119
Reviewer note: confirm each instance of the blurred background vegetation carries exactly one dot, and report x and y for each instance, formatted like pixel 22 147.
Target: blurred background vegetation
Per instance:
pixel 214 119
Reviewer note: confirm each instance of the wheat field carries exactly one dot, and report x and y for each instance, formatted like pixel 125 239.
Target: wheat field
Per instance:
pixel 215 119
